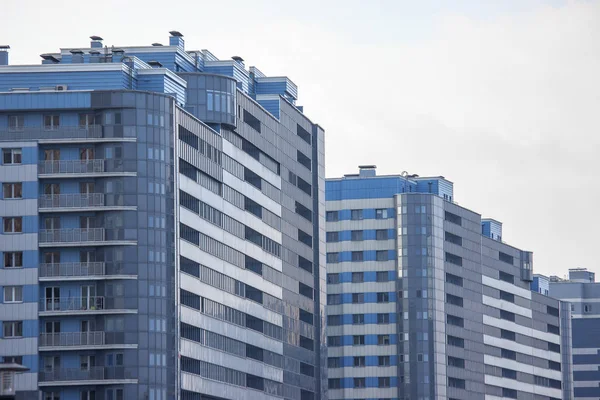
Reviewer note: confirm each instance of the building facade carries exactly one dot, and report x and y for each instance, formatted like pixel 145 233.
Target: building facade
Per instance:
pixel 426 302
pixel 161 215
pixel 582 291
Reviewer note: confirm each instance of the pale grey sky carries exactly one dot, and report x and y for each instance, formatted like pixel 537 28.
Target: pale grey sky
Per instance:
pixel 498 96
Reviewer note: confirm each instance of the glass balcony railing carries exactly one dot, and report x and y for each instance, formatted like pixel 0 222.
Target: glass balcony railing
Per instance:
pixel 82 374
pixel 71 167
pixel 71 200
pixel 71 339
pixel 73 269
pixel 71 235
pixel 90 303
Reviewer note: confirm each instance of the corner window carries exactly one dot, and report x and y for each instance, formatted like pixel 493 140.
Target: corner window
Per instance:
pixel 16 123
pixel 51 122
pixel 11 156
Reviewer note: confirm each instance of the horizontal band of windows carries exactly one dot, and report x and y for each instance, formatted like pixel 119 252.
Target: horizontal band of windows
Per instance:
pixel 363 383
pixel 365 361
pixel 521 329
pixel 200 177
pixel 251 150
pixel 362 340
pixel 360 235
pixel 230 376
pixel 191 139
pixel 229 224
pixel 361 319
pixel 231 346
pixel 226 253
pixel 245 174
pixel 360 214
pixel 359 298
pixel 360 256
pixel 527 351
pixel 230 285
pixel 521 367
pixel 359 277
pixel 231 315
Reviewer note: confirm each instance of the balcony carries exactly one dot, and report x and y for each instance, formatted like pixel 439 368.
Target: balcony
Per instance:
pixel 77 271
pixel 70 133
pixel 84 306
pixel 82 168
pixel 71 237
pixel 85 376
pixel 78 202
pixel 82 341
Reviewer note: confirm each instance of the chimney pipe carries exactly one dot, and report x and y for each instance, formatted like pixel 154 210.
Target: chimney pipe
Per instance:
pixel 4 54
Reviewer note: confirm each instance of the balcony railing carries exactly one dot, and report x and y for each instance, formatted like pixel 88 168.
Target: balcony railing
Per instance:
pixel 71 167
pixel 66 339
pixel 82 374
pixel 72 269
pixel 71 200
pixel 72 235
pixel 62 132
pixel 91 303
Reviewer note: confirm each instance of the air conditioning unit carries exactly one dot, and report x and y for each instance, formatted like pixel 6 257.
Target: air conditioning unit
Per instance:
pixel 61 88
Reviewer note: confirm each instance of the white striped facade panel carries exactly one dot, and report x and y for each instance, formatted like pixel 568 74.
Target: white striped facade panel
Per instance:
pixel 246 160
pixel 348 225
pixel 188 250
pixel 363 329
pixel 238 303
pixel 522 386
pixel 585 350
pixel 19 242
pixel 19 207
pixel 364 308
pixel 368 350
pixel 354 204
pixel 523 330
pixel 19 346
pixel 198 384
pixel 585 367
pixel 505 286
pixel 364 287
pixel 217 233
pixel 195 350
pixel 26 381
pixel 358 245
pixel 389 265
pixel 351 372
pixel 19 172
pixel 507 306
pixel 18 276
pixel 19 311
pixel 521 367
pixel 236 332
pixel 252 192
pixel 586 384
pixel 521 348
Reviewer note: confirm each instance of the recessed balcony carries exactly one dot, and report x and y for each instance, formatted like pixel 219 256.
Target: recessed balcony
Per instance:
pixel 82 341
pixel 82 168
pixel 71 133
pixel 73 271
pixel 85 376
pixel 84 306
pixel 72 237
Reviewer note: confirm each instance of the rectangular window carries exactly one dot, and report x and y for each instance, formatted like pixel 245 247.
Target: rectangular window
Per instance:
pixel 334 362
pixel 305 264
pixel 16 123
pixel 507 315
pixel 12 329
pixel 307 343
pixel 333 299
pixel 51 122
pixel 356 215
pixel 384 361
pixel 13 259
pixel 358 340
pixel 252 121
pixel 13 294
pixel 509 354
pixel 507 296
pixel 12 190
pixel 357 236
pixel 456 383
pixel 304 212
pixel 332 216
pixel 382 276
pixel 509 373
pixel 456 321
pixel 503 276
pixel 381 213
pixel 383 382
pixel 383 297
pixel 333 278
pixel 88 119
pixel 334 320
pixel 333 257
pixel 383 340
pixel 452 238
pixel 303 133
pixel 305 238
pixel 552 311
pixel 334 383
pixel 454 259
pixel 454 300
pixel 12 156
pixel 383 318
pixel 357 256
pixel 381 234
pixel 553 347
pixel 456 341
pixel 455 219
pixel 332 237
pixel 358 298
pixel 303 159
pixel 305 290
pixel 553 365
pixel 13 224
pixel 509 393
pixel 553 329
pixel 456 362
pixel 359 361
pixel 381 255
pixel 360 383
pixel 506 258
pixel 509 335
pixel 334 341
pixel 358 277
pixel 358 319
pixel 454 279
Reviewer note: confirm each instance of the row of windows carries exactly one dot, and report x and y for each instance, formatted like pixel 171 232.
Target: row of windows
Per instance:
pixel 229 345
pixel 359 361
pixel 16 123
pixel 231 315
pixel 357 298
pixel 230 376
pixel 360 383
pixel 230 285
pixel 357 319
pixel 300 183
pixel 357 340
pixel 359 256
pixel 251 150
pixel 207 150
pixel 359 277
pixel 357 215
pixel 334 236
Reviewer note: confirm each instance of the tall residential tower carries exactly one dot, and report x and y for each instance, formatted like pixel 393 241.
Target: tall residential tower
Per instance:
pixel 161 211
pixel 426 301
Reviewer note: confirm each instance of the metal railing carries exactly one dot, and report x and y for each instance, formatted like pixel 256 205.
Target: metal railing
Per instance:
pixel 72 339
pixel 71 235
pixel 61 132
pixel 7 383
pixel 91 303
pixel 82 374
pixel 71 166
pixel 71 200
pixel 71 269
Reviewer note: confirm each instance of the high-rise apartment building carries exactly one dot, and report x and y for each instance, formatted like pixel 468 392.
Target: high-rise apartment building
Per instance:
pixel 161 211
pixel 582 291
pixel 426 301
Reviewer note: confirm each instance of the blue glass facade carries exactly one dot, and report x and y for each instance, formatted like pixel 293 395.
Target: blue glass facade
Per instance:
pixel 153 245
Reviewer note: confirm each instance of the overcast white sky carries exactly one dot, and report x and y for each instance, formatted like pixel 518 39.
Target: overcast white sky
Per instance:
pixel 500 96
